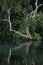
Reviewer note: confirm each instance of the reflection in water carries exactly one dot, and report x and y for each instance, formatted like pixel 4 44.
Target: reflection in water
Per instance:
pixel 28 44
pixel 31 52
pixel 19 47
pixel 29 49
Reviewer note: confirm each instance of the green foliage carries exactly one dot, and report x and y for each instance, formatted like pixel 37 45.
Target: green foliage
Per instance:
pixel 36 36
pixel 18 20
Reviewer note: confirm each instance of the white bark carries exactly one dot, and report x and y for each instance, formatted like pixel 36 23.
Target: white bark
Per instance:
pixel 34 13
pixel 17 32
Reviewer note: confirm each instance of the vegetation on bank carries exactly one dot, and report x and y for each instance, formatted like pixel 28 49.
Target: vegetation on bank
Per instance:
pixel 20 23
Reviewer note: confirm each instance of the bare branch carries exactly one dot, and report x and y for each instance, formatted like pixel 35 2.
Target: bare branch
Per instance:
pixel 40 5
pixel 17 32
pixel 34 13
pixel 36 3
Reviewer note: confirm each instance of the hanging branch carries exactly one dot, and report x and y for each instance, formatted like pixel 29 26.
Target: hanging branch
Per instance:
pixel 10 26
pixel 27 32
pixel 32 14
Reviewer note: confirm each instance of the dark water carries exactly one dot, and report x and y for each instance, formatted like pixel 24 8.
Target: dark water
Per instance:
pixel 34 51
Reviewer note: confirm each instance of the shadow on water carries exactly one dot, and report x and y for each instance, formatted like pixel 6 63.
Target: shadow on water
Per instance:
pixel 31 53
